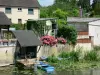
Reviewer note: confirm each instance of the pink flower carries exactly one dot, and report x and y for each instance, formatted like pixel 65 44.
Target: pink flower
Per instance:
pixel 61 40
pixel 49 40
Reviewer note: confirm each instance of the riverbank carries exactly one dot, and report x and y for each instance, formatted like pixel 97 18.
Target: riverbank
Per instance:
pixel 75 60
pixel 69 65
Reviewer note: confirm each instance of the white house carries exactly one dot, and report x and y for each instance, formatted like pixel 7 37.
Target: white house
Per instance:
pixel 18 11
pixel 88 31
pixel 94 32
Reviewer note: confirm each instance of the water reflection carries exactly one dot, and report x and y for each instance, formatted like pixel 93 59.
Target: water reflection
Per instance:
pixel 75 72
pixel 80 72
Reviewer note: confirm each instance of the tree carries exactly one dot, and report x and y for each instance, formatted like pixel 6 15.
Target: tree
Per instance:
pixel 43 12
pixel 96 7
pixel 60 14
pixel 85 4
pixel 66 5
pixel 62 17
pixel 61 23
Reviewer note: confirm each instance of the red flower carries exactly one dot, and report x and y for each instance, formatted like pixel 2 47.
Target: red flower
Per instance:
pixel 49 40
pixel 61 40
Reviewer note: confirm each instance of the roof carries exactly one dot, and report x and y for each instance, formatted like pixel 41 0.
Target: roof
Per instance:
pixel 4 19
pixel 78 19
pixel 80 28
pixel 20 3
pixel 95 23
pixel 42 19
pixel 26 38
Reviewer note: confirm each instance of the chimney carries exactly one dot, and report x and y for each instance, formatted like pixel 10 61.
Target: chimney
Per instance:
pixel 80 12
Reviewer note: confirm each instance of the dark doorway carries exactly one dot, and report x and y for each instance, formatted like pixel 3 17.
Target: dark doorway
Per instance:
pixel 31 52
pixel 27 52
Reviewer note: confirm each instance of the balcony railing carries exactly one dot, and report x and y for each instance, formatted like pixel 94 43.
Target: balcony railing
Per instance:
pixel 6 42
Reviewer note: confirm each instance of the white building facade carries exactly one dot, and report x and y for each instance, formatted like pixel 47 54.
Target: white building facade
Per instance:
pixel 94 32
pixel 19 12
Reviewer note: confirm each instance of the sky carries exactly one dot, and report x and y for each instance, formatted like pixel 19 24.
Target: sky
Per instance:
pixel 49 2
pixel 46 2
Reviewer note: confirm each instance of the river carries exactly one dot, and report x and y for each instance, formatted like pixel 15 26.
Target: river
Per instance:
pixel 9 71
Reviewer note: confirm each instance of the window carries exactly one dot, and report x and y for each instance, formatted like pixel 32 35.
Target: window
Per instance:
pixel 20 21
pixel 30 11
pixel 19 9
pixel 8 10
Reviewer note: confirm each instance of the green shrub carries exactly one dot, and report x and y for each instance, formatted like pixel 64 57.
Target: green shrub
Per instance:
pixel 19 65
pixel 96 48
pixel 74 55
pixel 91 56
pixel 18 26
pixel 52 59
pixel 68 32
pixel 64 55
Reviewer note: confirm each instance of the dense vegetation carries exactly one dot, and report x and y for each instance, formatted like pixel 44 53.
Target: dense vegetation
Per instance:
pixel 69 33
pixel 18 26
pixel 71 7
pixel 96 7
pixel 61 9
pixel 76 60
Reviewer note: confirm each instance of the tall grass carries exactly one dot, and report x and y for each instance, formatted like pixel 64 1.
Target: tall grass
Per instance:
pixel 64 55
pixel 76 59
pixel 76 55
pixel 73 55
pixel 91 56
pixel 96 48
pixel 52 59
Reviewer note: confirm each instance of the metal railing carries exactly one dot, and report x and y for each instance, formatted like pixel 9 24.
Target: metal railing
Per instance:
pixel 6 42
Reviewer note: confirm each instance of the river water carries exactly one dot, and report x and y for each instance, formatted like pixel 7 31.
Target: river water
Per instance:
pixel 8 71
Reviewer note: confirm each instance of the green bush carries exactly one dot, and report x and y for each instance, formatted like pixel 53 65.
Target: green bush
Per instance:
pixel 74 55
pixel 18 26
pixel 91 56
pixel 96 48
pixel 64 55
pixel 69 33
pixel 52 59
pixel 59 13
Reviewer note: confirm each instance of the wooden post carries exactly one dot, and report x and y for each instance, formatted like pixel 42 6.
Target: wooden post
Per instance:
pixel 8 35
pixel 35 67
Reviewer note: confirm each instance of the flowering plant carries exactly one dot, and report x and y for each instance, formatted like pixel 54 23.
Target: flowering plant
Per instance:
pixel 61 40
pixel 49 40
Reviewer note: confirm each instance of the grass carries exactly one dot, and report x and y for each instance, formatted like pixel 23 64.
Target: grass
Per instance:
pixel 71 60
pixel 69 65
pixel 91 56
pixel 96 48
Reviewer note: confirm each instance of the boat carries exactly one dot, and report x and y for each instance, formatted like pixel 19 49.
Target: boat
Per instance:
pixel 46 67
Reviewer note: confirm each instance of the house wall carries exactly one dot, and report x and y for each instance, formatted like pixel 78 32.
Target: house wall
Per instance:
pixel 6 55
pixel 15 14
pixel 94 31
